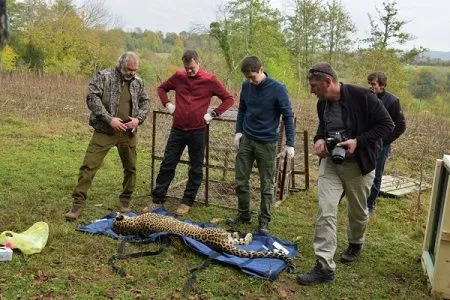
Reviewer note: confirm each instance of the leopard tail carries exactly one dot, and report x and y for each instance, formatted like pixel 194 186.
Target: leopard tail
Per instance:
pixel 259 254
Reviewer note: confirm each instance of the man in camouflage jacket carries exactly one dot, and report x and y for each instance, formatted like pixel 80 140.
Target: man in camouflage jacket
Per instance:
pixel 118 103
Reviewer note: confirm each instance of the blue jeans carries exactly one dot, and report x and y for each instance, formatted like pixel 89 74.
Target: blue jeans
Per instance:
pixel 379 169
pixel 178 140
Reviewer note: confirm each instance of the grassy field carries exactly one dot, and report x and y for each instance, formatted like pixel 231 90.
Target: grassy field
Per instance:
pixel 43 137
pixel 39 169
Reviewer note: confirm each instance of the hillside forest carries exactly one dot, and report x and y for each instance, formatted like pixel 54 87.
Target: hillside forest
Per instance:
pixel 62 38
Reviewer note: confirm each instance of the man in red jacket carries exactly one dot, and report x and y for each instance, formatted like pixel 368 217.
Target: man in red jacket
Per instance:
pixel 194 88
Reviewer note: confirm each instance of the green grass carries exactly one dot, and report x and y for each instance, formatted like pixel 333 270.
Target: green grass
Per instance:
pixel 39 168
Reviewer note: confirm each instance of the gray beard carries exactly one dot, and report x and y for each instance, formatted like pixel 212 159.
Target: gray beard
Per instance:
pixel 128 78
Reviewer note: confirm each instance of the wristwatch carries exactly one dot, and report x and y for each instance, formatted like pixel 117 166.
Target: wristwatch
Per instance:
pixel 213 113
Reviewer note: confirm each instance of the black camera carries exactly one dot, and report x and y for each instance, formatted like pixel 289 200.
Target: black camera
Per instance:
pixel 337 152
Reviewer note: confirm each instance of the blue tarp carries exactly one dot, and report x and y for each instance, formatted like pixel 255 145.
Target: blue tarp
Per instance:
pixel 265 268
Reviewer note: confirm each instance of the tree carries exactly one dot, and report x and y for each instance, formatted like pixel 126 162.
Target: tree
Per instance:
pixel 95 14
pixel 337 30
pixel 252 27
pixel 387 29
pixel 427 83
pixel 303 33
pixel 221 35
pixel 52 37
pixel 365 61
pixel 8 59
pixel 4 31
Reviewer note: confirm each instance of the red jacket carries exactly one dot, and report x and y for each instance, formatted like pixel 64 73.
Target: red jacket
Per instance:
pixel 193 97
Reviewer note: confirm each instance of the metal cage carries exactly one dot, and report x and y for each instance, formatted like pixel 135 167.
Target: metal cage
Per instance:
pixel 218 185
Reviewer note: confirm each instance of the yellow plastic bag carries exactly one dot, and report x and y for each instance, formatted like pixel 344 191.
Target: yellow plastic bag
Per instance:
pixel 31 241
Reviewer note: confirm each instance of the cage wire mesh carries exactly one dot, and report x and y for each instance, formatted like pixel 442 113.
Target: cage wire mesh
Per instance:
pixel 218 184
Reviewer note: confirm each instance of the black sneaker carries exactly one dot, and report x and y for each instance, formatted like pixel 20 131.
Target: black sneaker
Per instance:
pixel 318 274
pixel 264 227
pixel 352 253
pixel 239 219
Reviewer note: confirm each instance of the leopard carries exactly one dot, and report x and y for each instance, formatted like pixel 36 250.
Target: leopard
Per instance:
pixel 214 237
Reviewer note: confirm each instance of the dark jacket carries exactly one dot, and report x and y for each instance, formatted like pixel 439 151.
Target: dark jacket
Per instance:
pixel 369 120
pixel 392 105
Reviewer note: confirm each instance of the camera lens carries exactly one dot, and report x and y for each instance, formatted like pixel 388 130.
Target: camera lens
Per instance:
pixel 338 155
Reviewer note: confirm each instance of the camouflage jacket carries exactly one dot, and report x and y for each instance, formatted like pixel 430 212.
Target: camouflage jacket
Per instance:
pixel 103 98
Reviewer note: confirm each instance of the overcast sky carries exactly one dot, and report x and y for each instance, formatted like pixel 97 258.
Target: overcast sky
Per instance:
pixel 429 20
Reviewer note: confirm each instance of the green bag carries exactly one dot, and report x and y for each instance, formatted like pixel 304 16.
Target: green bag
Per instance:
pixel 31 241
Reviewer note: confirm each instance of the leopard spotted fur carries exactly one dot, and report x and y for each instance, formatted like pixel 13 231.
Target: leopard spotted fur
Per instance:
pixel 216 238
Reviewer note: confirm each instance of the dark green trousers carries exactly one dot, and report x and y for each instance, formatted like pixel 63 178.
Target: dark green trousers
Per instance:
pixel 264 154
pixel 96 151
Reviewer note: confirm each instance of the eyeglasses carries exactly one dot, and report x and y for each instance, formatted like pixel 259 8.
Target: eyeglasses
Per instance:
pixel 312 71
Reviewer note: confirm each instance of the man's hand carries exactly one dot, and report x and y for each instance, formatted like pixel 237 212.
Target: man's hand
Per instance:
pixel 117 125
pixel 349 145
pixel 207 118
pixel 132 124
pixel 320 148
pixel 290 152
pixel 237 140
pixel 170 107
pixel 211 114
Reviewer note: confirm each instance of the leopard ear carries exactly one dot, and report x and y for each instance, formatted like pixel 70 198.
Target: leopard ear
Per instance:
pixel 120 217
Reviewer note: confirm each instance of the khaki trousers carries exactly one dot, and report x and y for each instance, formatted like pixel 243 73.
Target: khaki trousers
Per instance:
pixel 333 181
pixel 97 149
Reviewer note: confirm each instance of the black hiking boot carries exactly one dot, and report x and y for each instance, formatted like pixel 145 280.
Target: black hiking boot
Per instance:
pixel 318 274
pixel 352 253
pixel 264 227
pixel 239 219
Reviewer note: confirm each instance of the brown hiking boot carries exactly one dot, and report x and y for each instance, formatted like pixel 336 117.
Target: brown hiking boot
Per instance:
pixel 182 210
pixel 124 205
pixel 151 207
pixel 74 213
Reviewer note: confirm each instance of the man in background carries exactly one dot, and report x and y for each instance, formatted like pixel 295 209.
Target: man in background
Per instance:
pixel 194 88
pixel 263 100
pixel 118 104
pixel 352 122
pixel 377 83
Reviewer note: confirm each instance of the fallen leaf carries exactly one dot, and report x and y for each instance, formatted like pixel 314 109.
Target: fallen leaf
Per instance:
pixel 216 220
pixel 110 293
pixel 297 238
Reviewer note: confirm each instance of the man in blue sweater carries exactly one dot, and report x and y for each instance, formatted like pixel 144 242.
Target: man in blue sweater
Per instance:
pixel 263 101
pixel 377 83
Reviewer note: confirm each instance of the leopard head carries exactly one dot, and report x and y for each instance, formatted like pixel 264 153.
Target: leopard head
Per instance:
pixel 125 225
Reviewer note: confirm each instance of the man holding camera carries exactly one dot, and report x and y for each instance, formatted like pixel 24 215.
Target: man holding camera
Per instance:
pixel 352 122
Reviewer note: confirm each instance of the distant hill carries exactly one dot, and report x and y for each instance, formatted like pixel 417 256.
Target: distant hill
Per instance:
pixel 437 55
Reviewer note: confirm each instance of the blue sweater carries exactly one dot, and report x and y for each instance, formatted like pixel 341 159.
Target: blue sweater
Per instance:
pixel 260 108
